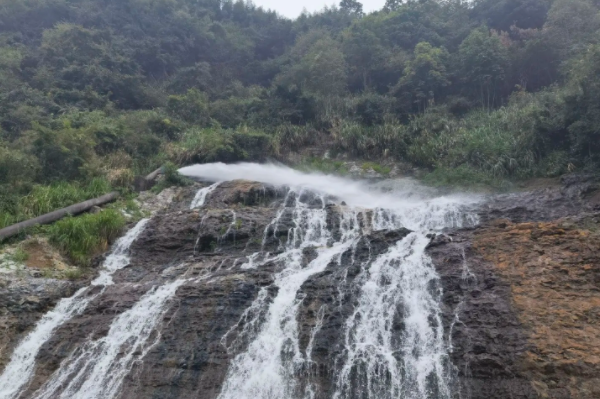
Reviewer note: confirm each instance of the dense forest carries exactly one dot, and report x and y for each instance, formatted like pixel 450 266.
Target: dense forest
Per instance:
pixel 95 92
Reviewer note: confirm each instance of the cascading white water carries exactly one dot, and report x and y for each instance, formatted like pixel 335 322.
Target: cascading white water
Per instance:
pixel 20 369
pixel 268 367
pixel 202 195
pixel 97 369
pixel 379 360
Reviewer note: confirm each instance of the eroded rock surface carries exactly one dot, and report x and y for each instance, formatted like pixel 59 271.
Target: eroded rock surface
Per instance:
pixel 521 294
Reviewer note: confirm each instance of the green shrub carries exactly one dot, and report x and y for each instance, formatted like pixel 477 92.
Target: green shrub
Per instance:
pixel 292 138
pixel 81 238
pixel 62 153
pixel 191 107
pixel 17 167
pixel 501 143
pixel 256 146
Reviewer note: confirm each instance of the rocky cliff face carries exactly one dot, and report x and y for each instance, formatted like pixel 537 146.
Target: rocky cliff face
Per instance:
pixel 519 296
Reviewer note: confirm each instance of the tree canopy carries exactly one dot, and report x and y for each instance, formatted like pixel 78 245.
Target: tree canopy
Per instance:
pixel 113 88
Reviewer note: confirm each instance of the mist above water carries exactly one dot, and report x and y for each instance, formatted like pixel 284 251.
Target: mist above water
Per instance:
pixel 359 193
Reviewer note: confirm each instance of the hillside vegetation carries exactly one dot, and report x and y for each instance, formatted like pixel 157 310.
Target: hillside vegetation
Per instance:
pixel 95 92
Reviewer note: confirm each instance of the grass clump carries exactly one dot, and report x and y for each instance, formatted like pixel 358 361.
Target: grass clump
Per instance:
pixel 20 255
pixel 81 238
pixel 482 148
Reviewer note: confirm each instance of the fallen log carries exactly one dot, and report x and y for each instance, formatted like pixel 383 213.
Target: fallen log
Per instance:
pixel 57 215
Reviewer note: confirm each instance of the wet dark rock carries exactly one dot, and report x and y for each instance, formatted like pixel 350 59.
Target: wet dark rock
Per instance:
pixel 23 301
pixel 496 350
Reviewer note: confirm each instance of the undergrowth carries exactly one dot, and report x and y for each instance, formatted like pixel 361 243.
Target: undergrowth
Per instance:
pixel 81 238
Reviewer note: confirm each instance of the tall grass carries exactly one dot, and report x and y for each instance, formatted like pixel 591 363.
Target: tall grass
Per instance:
pixel 291 138
pixel 487 147
pixel 371 142
pixel 45 199
pixel 81 238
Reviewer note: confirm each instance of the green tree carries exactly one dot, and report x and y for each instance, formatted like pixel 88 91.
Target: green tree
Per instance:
pixel 365 55
pixel 81 66
pixel 191 107
pixel 571 26
pixel 352 7
pixel 583 106
pixel 484 63
pixel 318 68
pixel 503 14
pixel 424 76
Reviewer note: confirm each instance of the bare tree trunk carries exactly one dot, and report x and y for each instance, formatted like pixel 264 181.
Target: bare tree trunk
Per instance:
pixel 57 215
pixel 146 183
pixel 152 176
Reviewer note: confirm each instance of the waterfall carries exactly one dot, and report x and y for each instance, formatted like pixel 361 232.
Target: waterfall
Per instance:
pixel 268 368
pixel 202 195
pixel 386 313
pixel 379 360
pixel 97 369
pixel 378 363
pixel 20 369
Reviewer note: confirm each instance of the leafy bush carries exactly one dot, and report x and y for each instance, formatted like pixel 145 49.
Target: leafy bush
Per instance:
pixel 291 138
pixel 191 107
pixel 464 176
pixel 62 153
pixel 81 238
pixel 255 145
pixel 17 167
